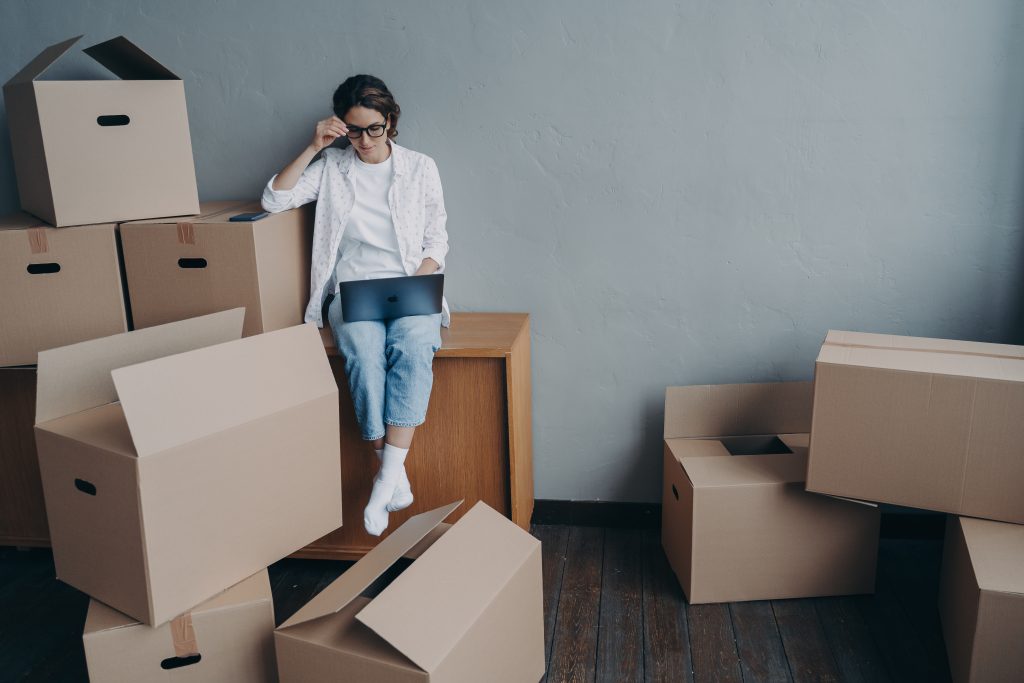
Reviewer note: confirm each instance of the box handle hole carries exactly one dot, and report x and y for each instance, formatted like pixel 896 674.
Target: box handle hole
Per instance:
pixel 178 662
pixel 85 486
pixel 113 120
pixel 675 491
pixel 191 263
pixel 43 268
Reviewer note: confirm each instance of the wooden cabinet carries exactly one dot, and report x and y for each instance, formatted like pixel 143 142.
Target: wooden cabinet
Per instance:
pixel 476 443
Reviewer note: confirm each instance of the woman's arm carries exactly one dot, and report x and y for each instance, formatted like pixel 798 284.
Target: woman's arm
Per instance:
pixel 298 183
pixel 435 234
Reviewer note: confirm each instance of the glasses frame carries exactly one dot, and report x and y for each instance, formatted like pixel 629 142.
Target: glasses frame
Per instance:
pixel 355 132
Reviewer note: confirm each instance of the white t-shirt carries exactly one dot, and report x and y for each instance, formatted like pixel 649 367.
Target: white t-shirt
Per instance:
pixel 369 247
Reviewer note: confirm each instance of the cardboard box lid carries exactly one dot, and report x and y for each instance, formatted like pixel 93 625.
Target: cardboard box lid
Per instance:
pixel 177 399
pixel 119 55
pixel 430 607
pixel 745 470
pixel 209 212
pixel 924 355
pixel 78 377
pixel 996 550
pixel 369 568
pixel 738 409
pixel 256 588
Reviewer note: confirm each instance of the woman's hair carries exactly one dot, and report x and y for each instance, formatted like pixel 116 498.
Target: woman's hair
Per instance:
pixel 370 92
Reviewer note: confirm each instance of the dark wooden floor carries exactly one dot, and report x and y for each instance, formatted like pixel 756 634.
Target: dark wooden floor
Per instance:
pixel 613 612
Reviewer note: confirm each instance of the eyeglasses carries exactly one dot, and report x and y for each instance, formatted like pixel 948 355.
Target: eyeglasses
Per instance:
pixel 374 131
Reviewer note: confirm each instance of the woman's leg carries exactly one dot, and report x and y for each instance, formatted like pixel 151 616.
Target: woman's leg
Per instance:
pixel 361 346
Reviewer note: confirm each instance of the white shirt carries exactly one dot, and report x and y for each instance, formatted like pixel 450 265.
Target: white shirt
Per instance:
pixel 417 211
pixel 369 247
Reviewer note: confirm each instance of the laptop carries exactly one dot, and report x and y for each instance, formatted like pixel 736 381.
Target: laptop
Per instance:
pixel 391 297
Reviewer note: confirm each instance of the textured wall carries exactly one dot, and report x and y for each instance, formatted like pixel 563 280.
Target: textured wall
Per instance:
pixel 678 192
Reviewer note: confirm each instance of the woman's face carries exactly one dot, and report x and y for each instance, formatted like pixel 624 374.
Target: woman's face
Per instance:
pixel 369 149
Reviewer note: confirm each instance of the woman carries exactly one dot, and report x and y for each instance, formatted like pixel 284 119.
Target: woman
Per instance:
pixel 379 213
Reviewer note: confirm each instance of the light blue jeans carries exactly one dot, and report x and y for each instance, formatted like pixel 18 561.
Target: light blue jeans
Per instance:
pixel 389 364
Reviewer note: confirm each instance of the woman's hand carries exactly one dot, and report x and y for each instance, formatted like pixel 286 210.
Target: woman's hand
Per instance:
pixel 428 266
pixel 327 131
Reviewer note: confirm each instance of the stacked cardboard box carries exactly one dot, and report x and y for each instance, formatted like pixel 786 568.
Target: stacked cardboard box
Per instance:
pixel 180 459
pixel 936 424
pixel 737 523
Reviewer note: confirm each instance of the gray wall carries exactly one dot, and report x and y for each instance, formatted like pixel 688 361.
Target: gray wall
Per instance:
pixel 678 192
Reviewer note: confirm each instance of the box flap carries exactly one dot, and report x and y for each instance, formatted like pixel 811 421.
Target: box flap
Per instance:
pixel 996 550
pixel 431 606
pixel 919 354
pixel 746 470
pixel 738 409
pixel 78 377
pixel 42 62
pixel 128 62
pixel 178 399
pixel 363 573
pixel 101 618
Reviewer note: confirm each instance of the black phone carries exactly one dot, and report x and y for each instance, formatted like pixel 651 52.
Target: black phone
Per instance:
pixel 248 217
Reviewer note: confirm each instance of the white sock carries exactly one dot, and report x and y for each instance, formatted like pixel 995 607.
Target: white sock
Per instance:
pixel 402 497
pixel 375 516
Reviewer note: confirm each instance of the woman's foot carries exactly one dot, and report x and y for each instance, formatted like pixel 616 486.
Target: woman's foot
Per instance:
pixel 385 484
pixel 402 498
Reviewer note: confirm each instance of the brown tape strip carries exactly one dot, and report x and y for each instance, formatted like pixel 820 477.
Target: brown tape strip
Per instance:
pixel 184 636
pixel 248 204
pixel 945 351
pixel 37 241
pixel 186 232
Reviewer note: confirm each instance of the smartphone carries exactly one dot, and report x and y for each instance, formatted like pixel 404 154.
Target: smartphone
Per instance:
pixel 248 217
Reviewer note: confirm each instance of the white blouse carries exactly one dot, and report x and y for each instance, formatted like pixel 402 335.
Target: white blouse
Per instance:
pixel 417 210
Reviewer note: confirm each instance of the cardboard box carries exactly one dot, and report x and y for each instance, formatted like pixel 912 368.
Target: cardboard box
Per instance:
pixel 736 521
pixel 923 423
pixel 176 462
pixel 178 269
pixel 469 608
pixel 227 639
pixel 981 600
pixel 105 150
pixel 58 286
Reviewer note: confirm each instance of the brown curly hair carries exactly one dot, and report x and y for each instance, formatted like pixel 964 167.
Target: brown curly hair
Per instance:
pixel 370 92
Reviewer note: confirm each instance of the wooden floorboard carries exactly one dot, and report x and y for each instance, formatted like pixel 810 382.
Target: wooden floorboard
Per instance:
pixel 849 638
pixel 666 638
pixel 620 644
pixel 803 638
pixel 613 612
pixel 574 649
pixel 758 643
pixel 713 644
pixel 554 541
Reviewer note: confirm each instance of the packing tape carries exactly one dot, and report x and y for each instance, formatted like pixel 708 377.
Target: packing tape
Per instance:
pixel 948 352
pixel 186 232
pixel 184 636
pixel 248 204
pixel 37 241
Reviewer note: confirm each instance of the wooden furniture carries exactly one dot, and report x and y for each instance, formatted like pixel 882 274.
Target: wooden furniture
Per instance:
pixel 22 513
pixel 476 444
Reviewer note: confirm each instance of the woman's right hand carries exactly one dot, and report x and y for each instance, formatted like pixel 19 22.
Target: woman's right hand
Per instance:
pixel 327 131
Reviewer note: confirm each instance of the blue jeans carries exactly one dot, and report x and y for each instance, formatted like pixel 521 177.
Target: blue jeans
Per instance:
pixel 390 367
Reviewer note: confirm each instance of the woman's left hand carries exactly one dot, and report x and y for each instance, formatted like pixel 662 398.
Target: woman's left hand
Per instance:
pixel 427 267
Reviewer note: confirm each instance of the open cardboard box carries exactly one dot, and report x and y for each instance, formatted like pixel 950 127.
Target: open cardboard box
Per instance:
pixel 981 600
pixel 924 423
pixel 103 150
pixel 59 286
pixel 181 268
pixel 736 521
pixel 227 639
pixel 178 460
pixel 468 608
